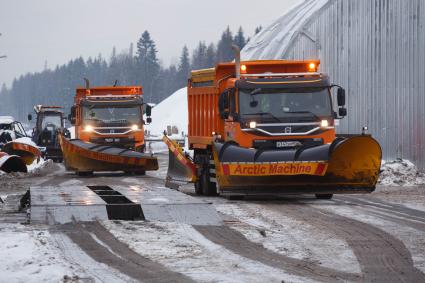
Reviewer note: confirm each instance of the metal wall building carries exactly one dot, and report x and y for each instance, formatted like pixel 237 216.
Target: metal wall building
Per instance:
pixel 373 48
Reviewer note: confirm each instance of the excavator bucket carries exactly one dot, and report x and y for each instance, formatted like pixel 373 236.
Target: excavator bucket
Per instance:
pixel 348 165
pixel 180 167
pixel 27 152
pixel 12 163
pixel 85 157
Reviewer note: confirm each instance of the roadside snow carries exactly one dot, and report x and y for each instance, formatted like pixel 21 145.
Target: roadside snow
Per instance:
pixel 28 255
pixel 183 249
pixel 400 172
pixel 172 111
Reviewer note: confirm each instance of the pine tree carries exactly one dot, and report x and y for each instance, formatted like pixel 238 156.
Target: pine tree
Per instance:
pixel 258 29
pixel 224 47
pixel 239 39
pixel 147 65
pixel 183 68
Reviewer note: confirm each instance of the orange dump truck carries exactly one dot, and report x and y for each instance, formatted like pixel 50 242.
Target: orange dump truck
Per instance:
pixel 109 131
pixel 268 127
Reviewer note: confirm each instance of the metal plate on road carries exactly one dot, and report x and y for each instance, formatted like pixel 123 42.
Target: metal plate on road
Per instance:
pixel 59 205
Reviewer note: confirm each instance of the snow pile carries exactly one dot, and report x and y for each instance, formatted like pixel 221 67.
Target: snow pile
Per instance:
pixel 400 172
pixel 171 112
pixel 38 166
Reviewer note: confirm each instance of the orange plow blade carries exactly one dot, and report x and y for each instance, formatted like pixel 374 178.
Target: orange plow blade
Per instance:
pixel 88 157
pixel 27 152
pixel 346 166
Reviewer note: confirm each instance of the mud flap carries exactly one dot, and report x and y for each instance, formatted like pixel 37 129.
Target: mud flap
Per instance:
pixel 346 166
pixel 12 163
pixel 181 169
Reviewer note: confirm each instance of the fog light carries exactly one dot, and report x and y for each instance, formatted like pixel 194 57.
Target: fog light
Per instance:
pixel 252 125
pixel 88 128
pixel 134 127
pixel 324 123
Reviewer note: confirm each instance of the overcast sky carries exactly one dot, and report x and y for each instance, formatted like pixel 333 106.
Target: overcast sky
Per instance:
pixel 55 31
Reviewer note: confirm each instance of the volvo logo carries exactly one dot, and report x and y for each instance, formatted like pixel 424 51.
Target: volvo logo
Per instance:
pixel 288 130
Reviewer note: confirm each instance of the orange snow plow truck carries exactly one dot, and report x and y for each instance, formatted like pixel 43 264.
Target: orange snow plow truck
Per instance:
pixel 109 131
pixel 268 127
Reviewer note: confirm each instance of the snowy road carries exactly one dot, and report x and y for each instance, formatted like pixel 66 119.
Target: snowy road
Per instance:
pixel 362 238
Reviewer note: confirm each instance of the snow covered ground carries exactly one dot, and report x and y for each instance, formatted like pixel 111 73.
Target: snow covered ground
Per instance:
pixel 27 254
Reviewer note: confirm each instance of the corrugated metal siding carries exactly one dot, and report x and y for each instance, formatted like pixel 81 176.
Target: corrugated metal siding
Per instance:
pixel 376 50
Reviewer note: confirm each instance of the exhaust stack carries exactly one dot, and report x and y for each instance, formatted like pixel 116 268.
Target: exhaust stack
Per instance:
pixel 237 60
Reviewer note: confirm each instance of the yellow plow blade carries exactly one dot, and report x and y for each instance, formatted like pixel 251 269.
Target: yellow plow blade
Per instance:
pixel 346 166
pixel 180 167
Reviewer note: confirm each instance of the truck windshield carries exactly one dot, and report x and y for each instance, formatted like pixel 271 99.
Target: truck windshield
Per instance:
pixel 54 121
pixel 112 114
pixel 285 104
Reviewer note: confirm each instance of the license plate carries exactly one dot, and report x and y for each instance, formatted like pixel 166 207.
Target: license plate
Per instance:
pixel 112 140
pixel 281 144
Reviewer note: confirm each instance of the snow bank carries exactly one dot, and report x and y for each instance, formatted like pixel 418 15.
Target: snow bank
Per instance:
pixel 37 167
pixel 400 172
pixel 172 111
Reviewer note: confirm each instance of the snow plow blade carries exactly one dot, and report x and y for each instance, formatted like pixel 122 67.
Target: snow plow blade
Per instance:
pixel 12 163
pixel 89 157
pixel 27 152
pixel 180 167
pixel 348 165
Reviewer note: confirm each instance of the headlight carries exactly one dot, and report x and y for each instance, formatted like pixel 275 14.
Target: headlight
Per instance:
pixel 252 124
pixel 88 128
pixel 324 123
pixel 134 127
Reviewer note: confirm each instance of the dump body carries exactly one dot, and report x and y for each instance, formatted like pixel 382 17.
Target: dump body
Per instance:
pixel 269 126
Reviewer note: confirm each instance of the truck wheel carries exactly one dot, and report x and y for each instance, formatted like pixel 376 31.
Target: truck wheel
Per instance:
pixel 208 188
pixel 198 188
pixel 84 173
pixel 324 196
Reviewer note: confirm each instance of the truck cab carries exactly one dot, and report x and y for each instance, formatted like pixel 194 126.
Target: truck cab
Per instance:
pixel 111 115
pixel 280 111
pixel 49 121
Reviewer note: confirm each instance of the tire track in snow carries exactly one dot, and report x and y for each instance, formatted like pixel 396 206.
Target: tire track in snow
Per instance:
pixel 237 243
pixel 382 257
pixel 117 255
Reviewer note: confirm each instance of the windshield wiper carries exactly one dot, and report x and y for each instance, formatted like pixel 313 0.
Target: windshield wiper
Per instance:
pixel 263 113
pixel 304 112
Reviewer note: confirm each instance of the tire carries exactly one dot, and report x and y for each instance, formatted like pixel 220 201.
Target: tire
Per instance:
pixel 198 188
pixel 324 196
pixel 208 188
pixel 84 173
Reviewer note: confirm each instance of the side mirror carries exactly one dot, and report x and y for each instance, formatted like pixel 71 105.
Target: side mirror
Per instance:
pixel 342 112
pixel 148 120
pixel 29 117
pixel 223 105
pixel 71 117
pixel 340 96
pixel 148 110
